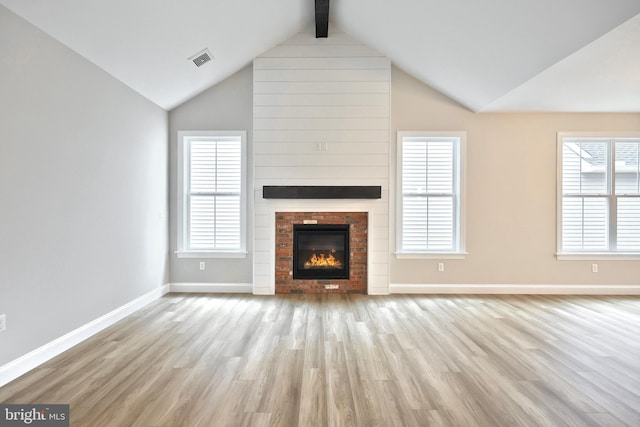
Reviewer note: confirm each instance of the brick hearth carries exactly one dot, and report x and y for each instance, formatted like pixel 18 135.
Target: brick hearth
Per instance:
pixel 357 282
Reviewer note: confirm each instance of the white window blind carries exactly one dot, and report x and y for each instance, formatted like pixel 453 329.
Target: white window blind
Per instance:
pixel 430 176
pixel 212 183
pixel 600 195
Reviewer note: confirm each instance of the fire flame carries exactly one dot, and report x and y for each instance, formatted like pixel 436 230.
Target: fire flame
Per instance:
pixel 321 260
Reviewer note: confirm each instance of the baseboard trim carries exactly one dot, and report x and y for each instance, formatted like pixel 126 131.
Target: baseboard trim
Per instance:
pixel 377 292
pixel 37 357
pixel 212 288
pixel 515 289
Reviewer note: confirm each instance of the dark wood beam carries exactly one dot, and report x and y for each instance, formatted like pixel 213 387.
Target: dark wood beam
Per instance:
pixel 322 18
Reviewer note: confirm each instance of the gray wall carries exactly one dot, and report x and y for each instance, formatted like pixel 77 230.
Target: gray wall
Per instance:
pixel 83 190
pixel 226 106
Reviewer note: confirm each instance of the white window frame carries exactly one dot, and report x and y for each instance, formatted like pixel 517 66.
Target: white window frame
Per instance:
pixel 460 201
pixel 182 192
pixel 561 254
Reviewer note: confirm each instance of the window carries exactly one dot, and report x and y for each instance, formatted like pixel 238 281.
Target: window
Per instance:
pixel 598 195
pixel 430 220
pixel 211 192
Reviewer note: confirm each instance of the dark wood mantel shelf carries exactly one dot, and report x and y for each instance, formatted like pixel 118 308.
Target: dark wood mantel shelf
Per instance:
pixel 322 192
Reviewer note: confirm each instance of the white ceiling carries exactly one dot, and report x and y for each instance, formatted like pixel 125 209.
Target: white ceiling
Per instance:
pixel 490 55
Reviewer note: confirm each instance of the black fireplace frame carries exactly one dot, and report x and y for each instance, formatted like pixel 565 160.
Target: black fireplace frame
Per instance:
pixel 320 274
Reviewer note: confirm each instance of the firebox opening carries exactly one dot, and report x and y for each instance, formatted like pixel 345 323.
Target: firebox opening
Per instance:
pixel 321 251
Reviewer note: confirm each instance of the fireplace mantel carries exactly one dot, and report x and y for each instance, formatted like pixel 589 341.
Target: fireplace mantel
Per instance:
pixel 322 192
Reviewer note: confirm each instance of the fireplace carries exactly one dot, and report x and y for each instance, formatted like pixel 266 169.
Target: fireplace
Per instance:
pixel 320 251
pixel 344 232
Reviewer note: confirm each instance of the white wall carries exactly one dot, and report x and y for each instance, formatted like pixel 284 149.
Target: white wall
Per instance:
pixel 310 92
pixel 83 190
pixel 226 106
pixel 511 192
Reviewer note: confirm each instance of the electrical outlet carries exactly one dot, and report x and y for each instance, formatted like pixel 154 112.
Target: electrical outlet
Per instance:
pixel 594 268
pixel 441 266
pixel 203 265
pixel 3 322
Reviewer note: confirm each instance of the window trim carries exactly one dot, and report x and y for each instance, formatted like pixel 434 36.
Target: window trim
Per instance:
pixel 460 251
pixel 182 216
pixel 561 254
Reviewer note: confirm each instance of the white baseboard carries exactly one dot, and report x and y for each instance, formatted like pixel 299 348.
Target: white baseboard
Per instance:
pixel 212 288
pixel 35 358
pixel 516 289
pixel 263 291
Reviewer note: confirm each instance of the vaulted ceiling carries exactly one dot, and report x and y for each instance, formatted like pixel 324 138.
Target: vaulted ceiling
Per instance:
pixel 490 55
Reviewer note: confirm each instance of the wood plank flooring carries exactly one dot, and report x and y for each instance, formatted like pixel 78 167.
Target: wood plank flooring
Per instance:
pixel 353 360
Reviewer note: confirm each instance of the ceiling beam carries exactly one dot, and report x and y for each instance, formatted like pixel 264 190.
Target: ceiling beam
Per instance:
pixel 322 18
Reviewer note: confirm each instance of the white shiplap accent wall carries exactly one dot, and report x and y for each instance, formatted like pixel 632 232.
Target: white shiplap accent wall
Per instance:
pixel 321 117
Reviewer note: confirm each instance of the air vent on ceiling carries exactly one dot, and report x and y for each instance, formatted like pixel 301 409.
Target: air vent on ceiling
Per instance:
pixel 201 57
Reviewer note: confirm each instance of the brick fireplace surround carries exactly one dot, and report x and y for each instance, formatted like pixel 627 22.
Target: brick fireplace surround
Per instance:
pixel 357 282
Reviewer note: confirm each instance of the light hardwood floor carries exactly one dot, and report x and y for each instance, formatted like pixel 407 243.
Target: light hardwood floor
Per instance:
pixel 242 360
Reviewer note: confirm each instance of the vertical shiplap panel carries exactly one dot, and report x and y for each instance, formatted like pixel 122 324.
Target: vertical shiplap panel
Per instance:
pixel 321 117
